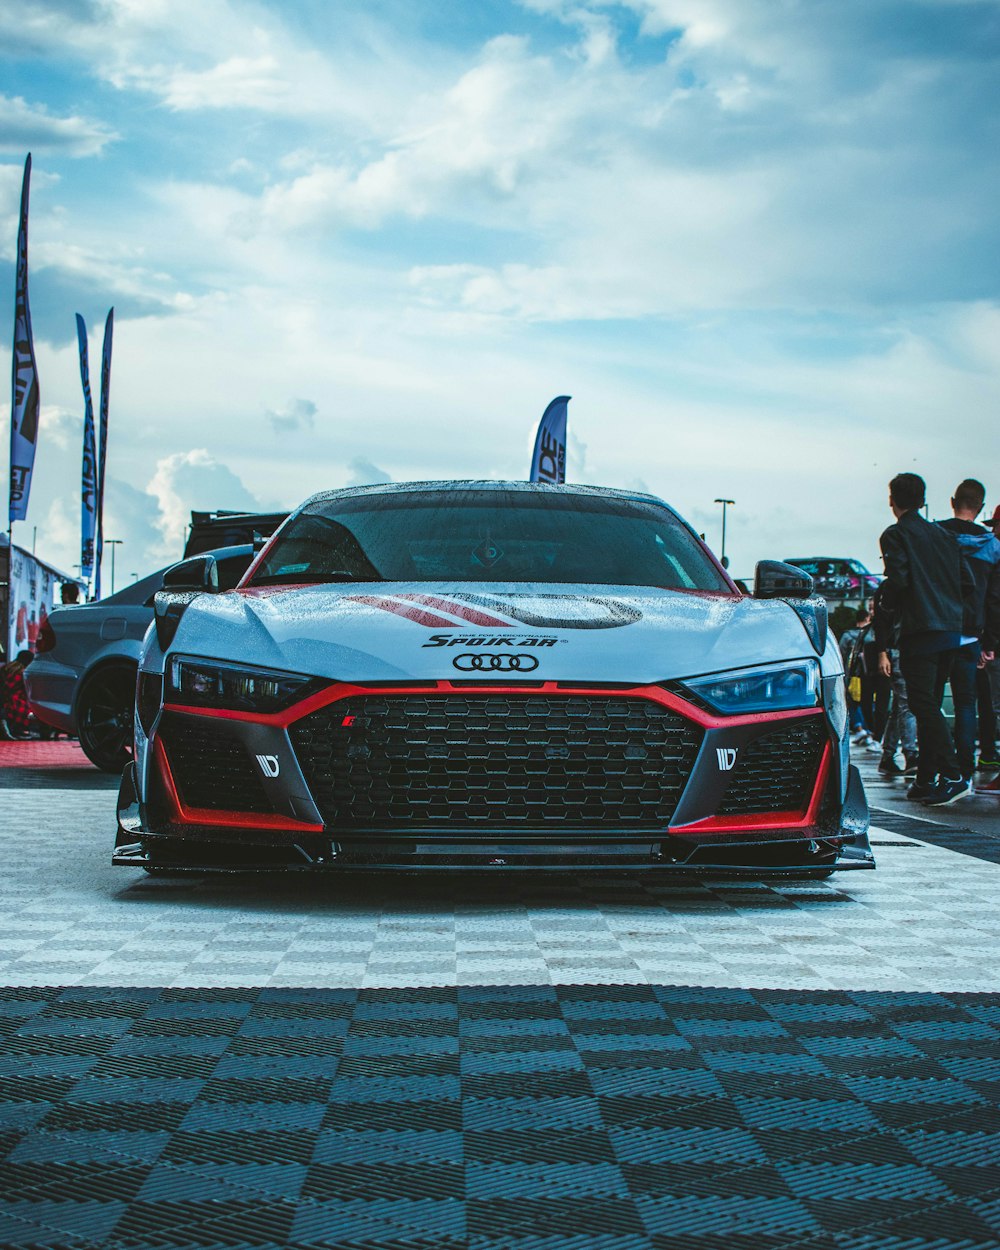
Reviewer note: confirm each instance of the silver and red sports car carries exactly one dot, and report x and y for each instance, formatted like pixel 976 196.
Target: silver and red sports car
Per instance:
pixel 490 674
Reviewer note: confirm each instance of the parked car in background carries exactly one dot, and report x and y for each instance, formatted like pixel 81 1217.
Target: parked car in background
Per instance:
pixel 837 578
pixel 82 680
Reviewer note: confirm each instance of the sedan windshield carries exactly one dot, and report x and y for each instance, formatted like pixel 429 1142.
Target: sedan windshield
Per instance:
pixel 488 536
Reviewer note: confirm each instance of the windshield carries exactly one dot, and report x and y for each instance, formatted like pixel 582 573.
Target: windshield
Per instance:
pixel 488 536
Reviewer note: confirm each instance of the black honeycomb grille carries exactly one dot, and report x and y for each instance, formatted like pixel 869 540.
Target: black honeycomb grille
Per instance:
pixel 210 768
pixel 776 772
pixel 533 761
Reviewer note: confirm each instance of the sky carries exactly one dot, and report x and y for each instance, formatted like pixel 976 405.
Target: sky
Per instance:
pixel 756 241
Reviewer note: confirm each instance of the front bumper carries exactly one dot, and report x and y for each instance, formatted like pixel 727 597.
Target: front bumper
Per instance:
pixel 811 852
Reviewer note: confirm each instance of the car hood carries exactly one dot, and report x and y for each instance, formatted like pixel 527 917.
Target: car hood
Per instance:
pixel 413 631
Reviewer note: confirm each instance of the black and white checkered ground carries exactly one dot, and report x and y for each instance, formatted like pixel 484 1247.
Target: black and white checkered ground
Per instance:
pixel 536 1063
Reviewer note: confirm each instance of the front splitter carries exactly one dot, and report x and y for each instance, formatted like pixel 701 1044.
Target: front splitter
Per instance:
pixel 208 849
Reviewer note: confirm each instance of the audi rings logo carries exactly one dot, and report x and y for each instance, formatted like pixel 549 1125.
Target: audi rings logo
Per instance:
pixel 495 663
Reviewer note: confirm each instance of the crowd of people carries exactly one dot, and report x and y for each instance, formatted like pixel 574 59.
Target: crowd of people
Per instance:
pixel 933 622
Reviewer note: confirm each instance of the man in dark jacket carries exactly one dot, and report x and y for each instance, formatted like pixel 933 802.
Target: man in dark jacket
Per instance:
pixel 927 577
pixel 982 555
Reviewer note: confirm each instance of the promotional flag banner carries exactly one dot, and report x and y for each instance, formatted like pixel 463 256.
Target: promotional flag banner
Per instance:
pixel 88 480
pixel 548 463
pixel 102 453
pixel 24 409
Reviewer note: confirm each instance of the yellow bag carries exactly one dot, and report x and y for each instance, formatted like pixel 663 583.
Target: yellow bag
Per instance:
pixel 854 689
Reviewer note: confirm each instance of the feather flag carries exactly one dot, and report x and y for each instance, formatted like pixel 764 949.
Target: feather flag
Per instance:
pixel 88 479
pixel 24 381
pixel 102 451
pixel 548 463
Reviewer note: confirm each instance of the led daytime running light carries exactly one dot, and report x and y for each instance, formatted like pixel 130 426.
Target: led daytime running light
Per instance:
pixel 775 688
pixel 234 687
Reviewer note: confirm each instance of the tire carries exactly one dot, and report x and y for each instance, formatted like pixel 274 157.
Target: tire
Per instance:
pixel 105 715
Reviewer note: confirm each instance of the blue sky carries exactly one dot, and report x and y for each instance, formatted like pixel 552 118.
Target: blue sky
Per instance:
pixel 756 243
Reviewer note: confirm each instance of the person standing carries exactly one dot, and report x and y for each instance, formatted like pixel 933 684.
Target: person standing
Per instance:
pixel 927 581
pixel 990 658
pixel 15 714
pixel 851 655
pixel 901 729
pixel 876 687
pixel 982 554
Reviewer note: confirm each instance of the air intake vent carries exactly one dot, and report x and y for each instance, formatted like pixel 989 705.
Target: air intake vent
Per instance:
pixel 210 768
pixel 776 772
pixel 500 762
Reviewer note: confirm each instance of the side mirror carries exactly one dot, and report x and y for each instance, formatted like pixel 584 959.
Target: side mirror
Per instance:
pixel 182 584
pixel 776 580
pixel 200 573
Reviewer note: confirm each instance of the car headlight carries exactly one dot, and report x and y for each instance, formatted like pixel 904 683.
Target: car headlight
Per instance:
pixel 774 688
pixel 235 687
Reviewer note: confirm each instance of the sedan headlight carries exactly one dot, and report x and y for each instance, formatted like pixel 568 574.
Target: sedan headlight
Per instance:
pixel 774 688
pixel 235 687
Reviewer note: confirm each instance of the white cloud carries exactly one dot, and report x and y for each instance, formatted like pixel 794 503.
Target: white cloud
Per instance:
pixel 60 532
pixel 134 516
pixel 576 457
pixel 297 414
pixel 477 142
pixel 364 473
pixel 24 127
pixel 190 480
pixel 61 426
pixel 116 273
pixel 198 55
pixel 237 82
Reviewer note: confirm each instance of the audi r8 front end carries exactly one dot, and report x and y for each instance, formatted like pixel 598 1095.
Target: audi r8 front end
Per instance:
pixel 490 674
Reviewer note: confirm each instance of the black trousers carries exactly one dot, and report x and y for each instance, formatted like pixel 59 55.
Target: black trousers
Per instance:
pixel 925 677
pixel 987 720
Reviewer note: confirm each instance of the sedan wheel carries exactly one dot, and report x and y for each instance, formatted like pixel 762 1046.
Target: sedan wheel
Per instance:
pixel 104 717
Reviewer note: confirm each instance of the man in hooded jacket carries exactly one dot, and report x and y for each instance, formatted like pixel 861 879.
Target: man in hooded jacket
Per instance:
pixel 927 584
pixel 982 556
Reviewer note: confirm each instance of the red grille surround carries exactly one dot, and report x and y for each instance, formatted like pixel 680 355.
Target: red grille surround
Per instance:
pixel 344 690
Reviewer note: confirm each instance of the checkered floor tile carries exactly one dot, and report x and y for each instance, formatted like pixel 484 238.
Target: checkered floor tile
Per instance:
pixel 563 1117
pixel 467 1063
pixel 926 919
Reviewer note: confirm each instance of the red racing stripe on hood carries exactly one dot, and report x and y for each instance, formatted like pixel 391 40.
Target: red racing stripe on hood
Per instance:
pixel 410 611
pixel 462 610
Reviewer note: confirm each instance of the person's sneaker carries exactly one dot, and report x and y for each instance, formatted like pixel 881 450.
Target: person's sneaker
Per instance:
pixel 860 736
pixel 888 767
pixel 990 787
pixel 910 763
pixel 921 790
pixel 949 792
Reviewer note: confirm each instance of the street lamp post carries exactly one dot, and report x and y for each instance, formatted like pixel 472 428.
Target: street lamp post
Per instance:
pixel 726 503
pixel 117 542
